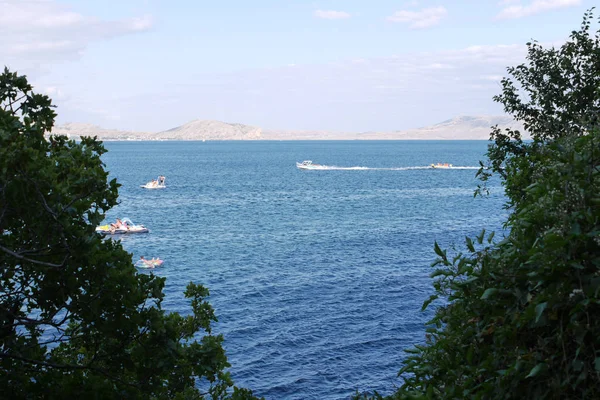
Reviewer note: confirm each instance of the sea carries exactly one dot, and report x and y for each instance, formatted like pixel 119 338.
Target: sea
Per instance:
pixel 317 277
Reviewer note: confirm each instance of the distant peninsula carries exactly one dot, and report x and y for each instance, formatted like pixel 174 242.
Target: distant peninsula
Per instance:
pixel 459 128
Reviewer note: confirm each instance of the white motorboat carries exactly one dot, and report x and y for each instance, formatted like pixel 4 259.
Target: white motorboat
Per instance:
pixel 149 264
pixel 158 183
pixel 441 166
pixel 125 227
pixel 308 164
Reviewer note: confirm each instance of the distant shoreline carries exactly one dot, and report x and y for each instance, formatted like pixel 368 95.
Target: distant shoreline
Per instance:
pixel 294 140
pixel 458 128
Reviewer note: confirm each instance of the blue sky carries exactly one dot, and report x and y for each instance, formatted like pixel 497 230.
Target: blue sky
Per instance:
pixel 345 65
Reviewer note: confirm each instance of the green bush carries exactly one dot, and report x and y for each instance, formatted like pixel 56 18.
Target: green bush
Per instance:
pixel 76 320
pixel 519 319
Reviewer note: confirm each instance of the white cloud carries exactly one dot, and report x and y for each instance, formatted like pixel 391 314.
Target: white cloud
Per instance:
pixel 493 78
pixel 438 65
pixel 40 32
pixel 331 14
pixel 140 24
pixel 41 46
pixel 55 93
pixel 424 18
pixel 535 7
pixel 508 2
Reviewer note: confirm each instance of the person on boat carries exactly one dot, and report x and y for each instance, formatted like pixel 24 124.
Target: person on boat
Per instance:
pixel 161 180
pixel 118 225
pixel 147 263
pixel 152 263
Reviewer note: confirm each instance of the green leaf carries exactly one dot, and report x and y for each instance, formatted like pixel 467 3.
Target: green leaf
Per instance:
pixel 539 309
pixel 488 292
pixel 439 272
pixel 480 236
pixel 438 251
pixel 470 244
pixel 429 391
pixel 428 301
pixel 541 367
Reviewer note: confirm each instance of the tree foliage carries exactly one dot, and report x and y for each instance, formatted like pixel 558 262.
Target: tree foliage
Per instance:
pixel 76 320
pixel 519 319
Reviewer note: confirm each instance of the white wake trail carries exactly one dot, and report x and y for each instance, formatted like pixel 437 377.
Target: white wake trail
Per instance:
pixel 357 168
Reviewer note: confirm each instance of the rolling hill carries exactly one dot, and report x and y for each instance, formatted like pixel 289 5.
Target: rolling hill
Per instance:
pixel 459 128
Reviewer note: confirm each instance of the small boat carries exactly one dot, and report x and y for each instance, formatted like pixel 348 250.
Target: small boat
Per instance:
pixel 308 164
pixel 149 264
pixel 158 183
pixel 126 227
pixel 440 165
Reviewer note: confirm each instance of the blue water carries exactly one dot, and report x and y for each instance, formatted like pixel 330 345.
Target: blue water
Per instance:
pixel 317 277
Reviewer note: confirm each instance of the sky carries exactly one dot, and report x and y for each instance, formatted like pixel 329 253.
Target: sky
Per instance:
pixel 341 65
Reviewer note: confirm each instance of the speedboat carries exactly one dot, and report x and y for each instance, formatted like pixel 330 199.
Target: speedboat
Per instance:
pixel 149 264
pixel 308 164
pixel 440 165
pixel 158 183
pixel 129 227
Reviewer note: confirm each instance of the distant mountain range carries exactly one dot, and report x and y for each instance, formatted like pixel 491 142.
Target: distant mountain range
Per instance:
pixel 459 128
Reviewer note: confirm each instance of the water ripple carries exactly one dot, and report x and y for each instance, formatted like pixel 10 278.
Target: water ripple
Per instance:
pixel 317 277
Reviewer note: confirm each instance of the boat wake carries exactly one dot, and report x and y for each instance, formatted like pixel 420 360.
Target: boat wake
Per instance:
pixel 336 168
